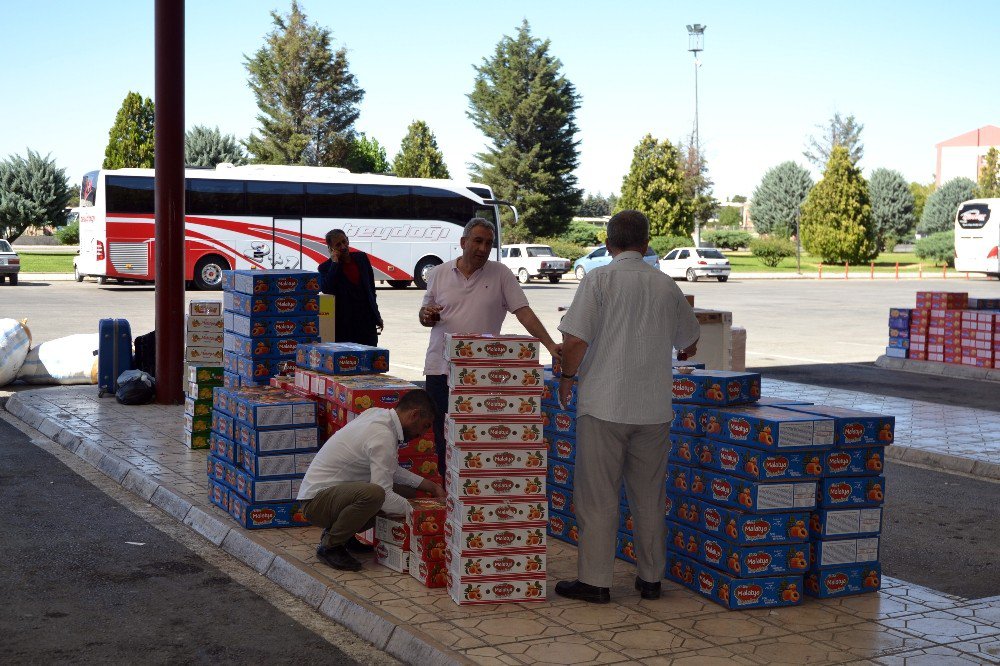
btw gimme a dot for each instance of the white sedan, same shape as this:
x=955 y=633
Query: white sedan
x=695 y=262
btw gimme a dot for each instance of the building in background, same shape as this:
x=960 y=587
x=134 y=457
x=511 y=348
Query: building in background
x=964 y=154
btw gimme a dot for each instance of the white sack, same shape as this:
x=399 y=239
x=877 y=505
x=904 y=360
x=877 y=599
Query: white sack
x=15 y=340
x=69 y=360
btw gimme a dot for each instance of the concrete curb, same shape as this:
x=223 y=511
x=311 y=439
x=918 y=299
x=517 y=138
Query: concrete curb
x=954 y=370
x=979 y=469
x=342 y=607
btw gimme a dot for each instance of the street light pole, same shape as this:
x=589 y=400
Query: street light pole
x=798 y=242
x=696 y=36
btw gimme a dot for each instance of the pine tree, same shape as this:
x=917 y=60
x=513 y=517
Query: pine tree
x=697 y=184
x=892 y=206
x=776 y=204
x=131 y=141
x=920 y=194
x=942 y=206
x=366 y=155
x=844 y=132
x=989 y=175
x=655 y=186
x=527 y=109
x=307 y=97
x=33 y=192
x=419 y=156
x=836 y=217
x=207 y=147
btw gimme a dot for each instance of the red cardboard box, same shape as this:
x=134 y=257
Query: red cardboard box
x=428 y=547
x=430 y=574
x=427 y=516
x=465 y=347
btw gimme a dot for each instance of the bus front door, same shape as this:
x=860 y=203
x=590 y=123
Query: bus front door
x=286 y=238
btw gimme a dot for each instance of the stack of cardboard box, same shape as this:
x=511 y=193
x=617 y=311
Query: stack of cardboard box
x=496 y=509
x=199 y=381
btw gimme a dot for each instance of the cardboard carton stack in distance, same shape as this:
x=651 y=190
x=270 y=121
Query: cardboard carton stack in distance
x=947 y=327
x=496 y=508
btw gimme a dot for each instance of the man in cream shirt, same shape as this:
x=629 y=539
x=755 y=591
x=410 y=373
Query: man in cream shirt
x=356 y=475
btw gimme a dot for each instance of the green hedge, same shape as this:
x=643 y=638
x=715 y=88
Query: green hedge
x=771 y=251
x=939 y=248
x=727 y=239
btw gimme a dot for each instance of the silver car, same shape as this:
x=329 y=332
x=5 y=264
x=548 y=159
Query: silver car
x=10 y=263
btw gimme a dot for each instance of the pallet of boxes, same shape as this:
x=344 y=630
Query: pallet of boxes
x=773 y=499
x=496 y=470
x=263 y=438
x=202 y=369
x=947 y=327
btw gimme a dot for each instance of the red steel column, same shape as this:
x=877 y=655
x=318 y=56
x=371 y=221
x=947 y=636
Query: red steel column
x=169 y=99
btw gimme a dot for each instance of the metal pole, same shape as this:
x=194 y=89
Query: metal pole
x=798 y=245
x=169 y=197
x=697 y=158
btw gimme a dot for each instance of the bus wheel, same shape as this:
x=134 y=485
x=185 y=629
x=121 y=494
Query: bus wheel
x=208 y=272
x=102 y=280
x=399 y=284
x=423 y=271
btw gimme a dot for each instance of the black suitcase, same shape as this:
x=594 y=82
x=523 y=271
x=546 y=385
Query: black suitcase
x=114 y=353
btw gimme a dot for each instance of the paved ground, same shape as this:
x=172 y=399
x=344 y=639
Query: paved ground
x=87 y=580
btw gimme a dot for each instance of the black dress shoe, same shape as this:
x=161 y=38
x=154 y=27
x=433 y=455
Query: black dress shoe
x=355 y=546
x=574 y=589
x=647 y=590
x=338 y=558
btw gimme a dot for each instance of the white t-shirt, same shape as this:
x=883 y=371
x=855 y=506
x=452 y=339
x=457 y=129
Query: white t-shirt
x=474 y=304
x=364 y=450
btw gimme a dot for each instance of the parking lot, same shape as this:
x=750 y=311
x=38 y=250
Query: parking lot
x=789 y=322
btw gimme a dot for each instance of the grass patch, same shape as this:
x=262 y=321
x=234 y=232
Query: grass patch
x=32 y=262
x=744 y=262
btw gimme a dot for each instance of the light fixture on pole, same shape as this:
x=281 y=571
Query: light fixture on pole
x=696 y=37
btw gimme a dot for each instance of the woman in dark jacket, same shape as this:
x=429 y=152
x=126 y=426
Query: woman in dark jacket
x=349 y=277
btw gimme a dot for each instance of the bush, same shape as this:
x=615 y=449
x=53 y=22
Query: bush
x=727 y=239
x=69 y=235
x=581 y=233
x=771 y=251
x=663 y=244
x=730 y=217
x=563 y=248
x=939 y=247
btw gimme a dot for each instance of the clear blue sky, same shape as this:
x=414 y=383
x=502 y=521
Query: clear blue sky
x=913 y=74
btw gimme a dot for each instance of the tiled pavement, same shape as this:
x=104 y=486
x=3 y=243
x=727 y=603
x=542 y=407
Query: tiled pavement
x=901 y=624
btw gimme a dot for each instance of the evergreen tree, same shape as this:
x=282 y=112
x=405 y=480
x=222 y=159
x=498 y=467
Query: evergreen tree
x=989 y=175
x=844 y=132
x=892 y=207
x=836 y=217
x=207 y=147
x=655 y=186
x=131 y=141
x=920 y=193
x=942 y=206
x=777 y=202
x=367 y=156
x=595 y=205
x=697 y=184
x=419 y=156
x=730 y=217
x=33 y=192
x=527 y=109
x=307 y=97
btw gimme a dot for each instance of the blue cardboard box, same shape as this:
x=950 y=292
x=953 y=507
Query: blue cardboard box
x=841 y=492
x=285 y=326
x=222 y=448
x=274 y=466
x=830 y=553
x=844 y=581
x=683 y=448
x=754 y=496
x=564 y=528
x=560 y=421
x=689 y=419
x=231 y=380
x=342 y=358
x=899 y=319
x=280 y=440
x=867 y=461
x=264 y=347
x=270 y=281
x=222 y=424
x=255 y=515
x=272 y=408
x=271 y=304
x=759 y=465
x=843 y=523
x=625 y=547
x=550 y=391
x=738 y=560
x=716 y=387
x=741 y=527
x=853 y=427
x=561 y=473
x=561 y=447
x=561 y=500
x=218 y=494
x=731 y=592
x=770 y=428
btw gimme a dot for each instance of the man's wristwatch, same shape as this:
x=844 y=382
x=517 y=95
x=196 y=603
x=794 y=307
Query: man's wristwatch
x=563 y=375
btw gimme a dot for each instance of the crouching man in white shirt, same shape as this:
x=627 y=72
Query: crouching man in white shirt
x=356 y=475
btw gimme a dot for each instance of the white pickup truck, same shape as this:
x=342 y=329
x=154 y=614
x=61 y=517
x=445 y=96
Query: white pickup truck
x=533 y=261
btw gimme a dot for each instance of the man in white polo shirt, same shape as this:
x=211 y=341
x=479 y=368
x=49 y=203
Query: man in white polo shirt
x=618 y=337
x=357 y=475
x=470 y=294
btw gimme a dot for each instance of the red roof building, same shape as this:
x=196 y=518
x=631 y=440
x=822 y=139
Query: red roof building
x=964 y=154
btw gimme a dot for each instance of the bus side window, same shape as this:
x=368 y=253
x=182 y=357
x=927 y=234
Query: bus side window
x=273 y=199
x=384 y=201
x=330 y=200
x=215 y=197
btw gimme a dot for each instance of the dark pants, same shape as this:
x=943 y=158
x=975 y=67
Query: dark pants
x=437 y=386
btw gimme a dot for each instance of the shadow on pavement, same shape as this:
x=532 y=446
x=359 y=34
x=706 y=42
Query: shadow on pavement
x=868 y=378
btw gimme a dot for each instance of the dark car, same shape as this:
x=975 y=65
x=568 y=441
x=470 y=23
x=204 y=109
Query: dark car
x=10 y=263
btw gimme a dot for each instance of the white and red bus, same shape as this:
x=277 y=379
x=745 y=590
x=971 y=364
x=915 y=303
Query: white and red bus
x=264 y=216
x=977 y=237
